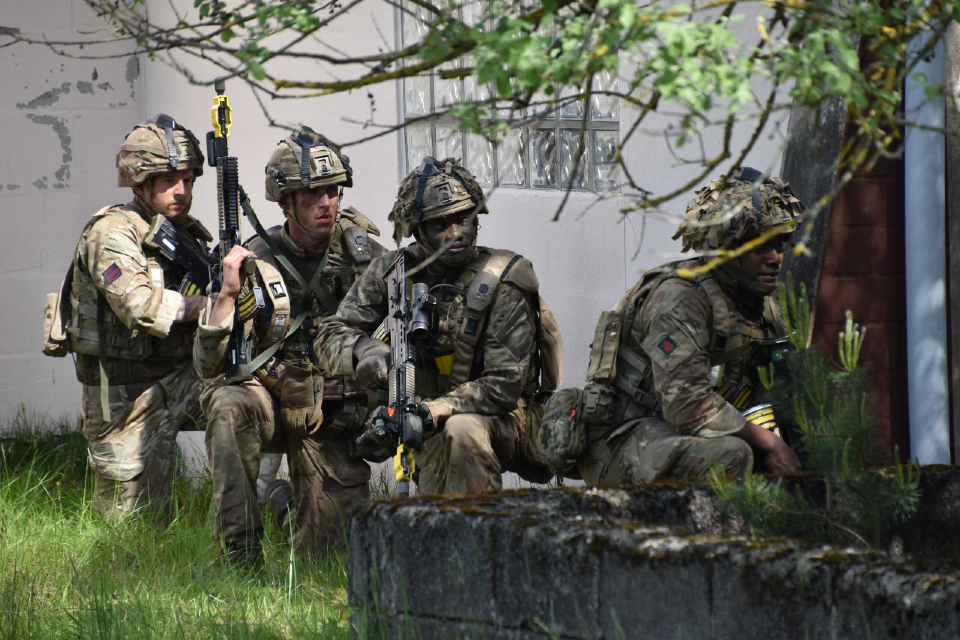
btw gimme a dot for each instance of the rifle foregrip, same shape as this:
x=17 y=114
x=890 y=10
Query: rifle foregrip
x=249 y=266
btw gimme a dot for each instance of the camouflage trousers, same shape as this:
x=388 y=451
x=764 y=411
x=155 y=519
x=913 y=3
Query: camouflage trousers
x=242 y=423
x=469 y=454
x=649 y=449
x=133 y=455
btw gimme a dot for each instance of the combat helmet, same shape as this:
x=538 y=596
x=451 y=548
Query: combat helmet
x=304 y=160
x=732 y=210
x=435 y=189
x=159 y=145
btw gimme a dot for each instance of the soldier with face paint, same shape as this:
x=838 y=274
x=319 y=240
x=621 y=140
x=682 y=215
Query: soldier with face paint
x=685 y=347
x=130 y=328
x=304 y=269
x=476 y=372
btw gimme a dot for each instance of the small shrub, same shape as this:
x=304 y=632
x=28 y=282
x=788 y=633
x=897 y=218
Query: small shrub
x=827 y=407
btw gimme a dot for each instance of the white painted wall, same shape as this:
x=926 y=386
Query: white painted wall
x=585 y=261
x=61 y=125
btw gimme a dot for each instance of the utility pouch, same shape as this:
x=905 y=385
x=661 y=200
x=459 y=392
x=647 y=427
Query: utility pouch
x=601 y=406
x=56 y=319
x=301 y=397
x=603 y=350
x=356 y=244
x=351 y=418
x=560 y=436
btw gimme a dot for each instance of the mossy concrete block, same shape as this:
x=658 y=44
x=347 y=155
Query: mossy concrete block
x=578 y=564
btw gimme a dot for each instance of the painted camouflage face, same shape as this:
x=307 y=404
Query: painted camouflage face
x=284 y=173
x=723 y=216
x=444 y=193
x=145 y=153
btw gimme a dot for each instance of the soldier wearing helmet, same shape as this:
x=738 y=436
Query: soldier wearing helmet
x=130 y=328
x=686 y=349
x=304 y=269
x=476 y=371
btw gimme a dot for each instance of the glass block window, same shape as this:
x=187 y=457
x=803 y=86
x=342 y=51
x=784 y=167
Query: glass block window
x=538 y=152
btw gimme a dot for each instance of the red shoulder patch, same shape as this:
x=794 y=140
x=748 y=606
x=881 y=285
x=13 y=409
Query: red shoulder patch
x=667 y=346
x=112 y=273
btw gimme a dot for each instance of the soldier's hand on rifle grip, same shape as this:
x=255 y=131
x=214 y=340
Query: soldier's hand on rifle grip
x=231 y=285
x=371 y=358
x=381 y=428
x=238 y=261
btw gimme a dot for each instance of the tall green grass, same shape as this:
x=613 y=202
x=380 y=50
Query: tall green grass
x=65 y=572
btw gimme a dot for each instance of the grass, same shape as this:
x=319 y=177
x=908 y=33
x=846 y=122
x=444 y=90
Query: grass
x=66 y=572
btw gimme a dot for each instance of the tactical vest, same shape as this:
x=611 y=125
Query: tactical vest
x=350 y=253
x=450 y=359
x=620 y=378
x=122 y=342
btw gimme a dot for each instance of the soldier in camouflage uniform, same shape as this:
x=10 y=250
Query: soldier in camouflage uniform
x=475 y=371
x=130 y=328
x=291 y=405
x=682 y=342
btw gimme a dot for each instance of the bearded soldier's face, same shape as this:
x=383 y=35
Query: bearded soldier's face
x=169 y=193
x=762 y=265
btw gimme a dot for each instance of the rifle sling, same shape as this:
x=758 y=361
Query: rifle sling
x=282 y=258
x=261 y=360
x=288 y=261
x=102 y=343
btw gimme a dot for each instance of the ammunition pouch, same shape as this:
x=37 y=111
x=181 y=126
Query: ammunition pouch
x=601 y=406
x=56 y=319
x=356 y=244
x=301 y=395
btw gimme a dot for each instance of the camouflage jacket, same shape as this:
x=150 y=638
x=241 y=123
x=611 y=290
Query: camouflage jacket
x=337 y=277
x=140 y=286
x=501 y=371
x=676 y=332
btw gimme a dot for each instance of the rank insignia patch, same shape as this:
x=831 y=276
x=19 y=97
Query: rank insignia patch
x=667 y=346
x=112 y=273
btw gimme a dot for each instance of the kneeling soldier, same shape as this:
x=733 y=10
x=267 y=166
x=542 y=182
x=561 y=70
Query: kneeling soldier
x=477 y=369
x=132 y=320
x=675 y=362
x=291 y=405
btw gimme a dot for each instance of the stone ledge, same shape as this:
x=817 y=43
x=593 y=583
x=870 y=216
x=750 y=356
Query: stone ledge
x=578 y=564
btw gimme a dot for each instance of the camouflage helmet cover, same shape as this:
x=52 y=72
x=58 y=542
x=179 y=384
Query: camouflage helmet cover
x=730 y=211
x=157 y=146
x=287 y=172
x=433 y=190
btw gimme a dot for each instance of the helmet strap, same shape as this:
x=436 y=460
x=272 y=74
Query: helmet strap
x=169 y=124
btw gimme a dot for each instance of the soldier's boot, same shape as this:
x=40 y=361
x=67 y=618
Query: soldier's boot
x=241 y=557
x=280 y=499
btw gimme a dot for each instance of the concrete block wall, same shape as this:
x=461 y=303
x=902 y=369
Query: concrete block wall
x=606 y=564
x=62 y=120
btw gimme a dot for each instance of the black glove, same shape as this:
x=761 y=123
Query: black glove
x=385 y=429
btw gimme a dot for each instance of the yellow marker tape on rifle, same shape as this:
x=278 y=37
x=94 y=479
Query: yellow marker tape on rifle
x=762 y=415
x=217 y=101
x=404 y=450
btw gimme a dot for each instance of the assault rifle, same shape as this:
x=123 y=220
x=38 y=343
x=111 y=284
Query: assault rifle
x=228 y=203
x=408 y=319
x=178 y=248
